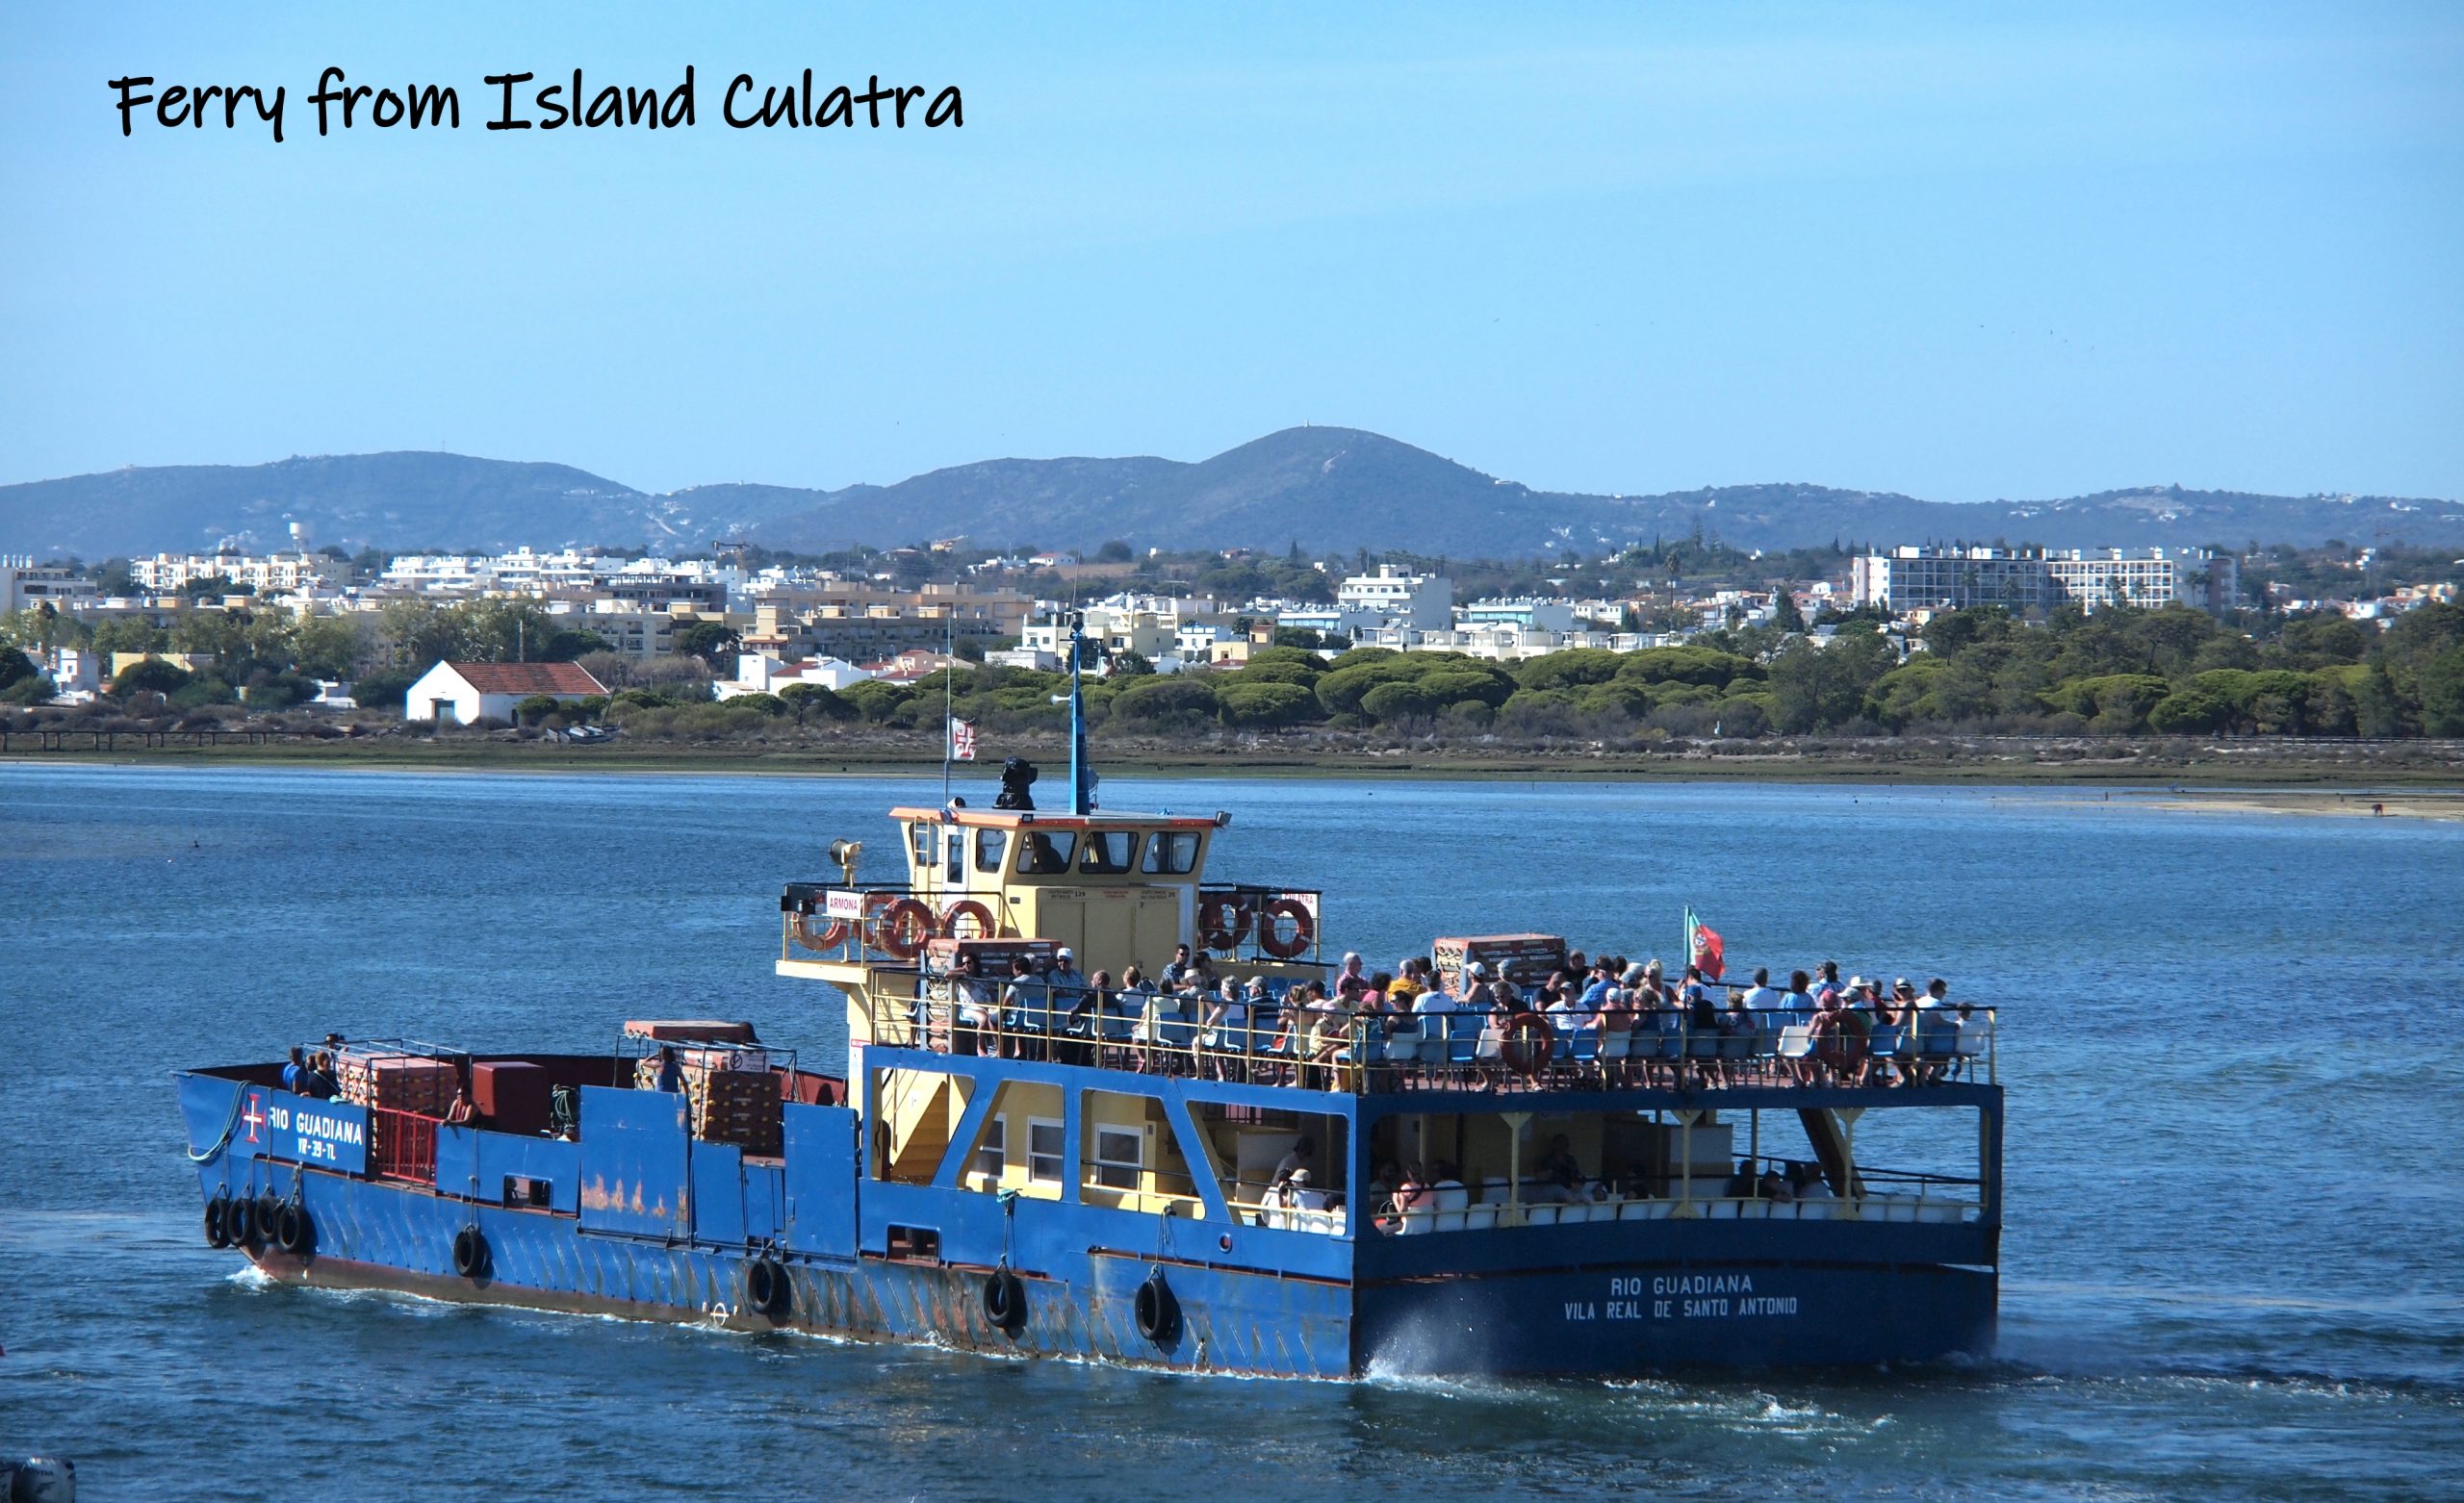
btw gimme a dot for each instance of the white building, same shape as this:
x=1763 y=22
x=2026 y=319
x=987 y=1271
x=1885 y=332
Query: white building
x=1398 y=597
x=463 y=692
x=273 y=574
x=25 y=585
x=1523 y=615
x=758 y=672
x=2023 y=579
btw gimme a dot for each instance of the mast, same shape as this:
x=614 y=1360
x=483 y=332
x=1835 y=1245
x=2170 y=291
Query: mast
x=1081 y=773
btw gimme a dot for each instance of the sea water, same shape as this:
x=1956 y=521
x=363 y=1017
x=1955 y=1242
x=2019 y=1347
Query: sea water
x=2233 y=1045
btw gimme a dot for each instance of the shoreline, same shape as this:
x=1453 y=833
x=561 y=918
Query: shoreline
x=2281 y=780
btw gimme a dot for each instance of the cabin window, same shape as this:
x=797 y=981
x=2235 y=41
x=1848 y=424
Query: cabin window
x=919 y=838
x=1172 y=852
x=992 y=1151
x=988 y=850
x=1109 y=851
x=1043 y=853
x=1043 y=1151
x=954 y=852
x=1120 y=1154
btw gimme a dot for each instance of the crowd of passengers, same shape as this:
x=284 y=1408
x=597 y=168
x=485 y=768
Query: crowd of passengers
x=1856 y=1032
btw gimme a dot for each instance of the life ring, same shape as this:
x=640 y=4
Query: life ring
x=218 y=1212
x=1157 y=1312
x=766 y=1287
x=1304 y=929
x=967 y=907
x=1527 y=1043
x=292 y=1232
x=1005 y=1301
x=1223 y=921
x=903 y=928
x=830 y=939
x=469 y=1253
x=239 y=1221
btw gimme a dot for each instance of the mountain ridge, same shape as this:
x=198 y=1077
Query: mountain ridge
x=1327 y=489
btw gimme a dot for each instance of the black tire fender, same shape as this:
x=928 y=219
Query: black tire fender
x=218 y=1220
x=1157 y=1311
x=470 y=1252
x=293 y=1230
x=240 y=1221
x=767 y=1289
x=1005 y=1301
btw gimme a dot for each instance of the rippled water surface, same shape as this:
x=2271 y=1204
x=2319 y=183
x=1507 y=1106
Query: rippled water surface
x=2234 y=1264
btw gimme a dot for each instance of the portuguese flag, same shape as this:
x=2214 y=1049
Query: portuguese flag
x=1702 y=947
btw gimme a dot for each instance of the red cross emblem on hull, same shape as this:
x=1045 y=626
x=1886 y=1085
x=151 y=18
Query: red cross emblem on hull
x=254 y=1116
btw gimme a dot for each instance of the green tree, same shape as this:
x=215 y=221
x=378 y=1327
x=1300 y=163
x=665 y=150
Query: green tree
x=536 y=709
x=1157 y=703
x=328 y=647
x=1264 y=705
x=809 y=701
x=2442 y=693
x=1113 y=551
x=1132 y=665
x=152 y=675
x=713 y=642
x=1401 y=703
x=385 y=690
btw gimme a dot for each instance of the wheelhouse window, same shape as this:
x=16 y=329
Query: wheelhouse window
x=1172 y=852
x=988 y=849
x=919 y=838
x=1045 y=852
x=1043 y=1151
x=1109 y=851
x=1121 y=1155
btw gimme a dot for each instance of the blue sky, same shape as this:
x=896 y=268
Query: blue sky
x=1965 y=252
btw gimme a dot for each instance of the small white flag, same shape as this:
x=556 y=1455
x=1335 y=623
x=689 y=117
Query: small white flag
x=962 y=740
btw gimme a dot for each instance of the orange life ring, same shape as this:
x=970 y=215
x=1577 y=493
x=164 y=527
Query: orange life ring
x=1223 y=921
x=830 y=939
x=1527 y=1043
x=903 y=928
x=967 y=907
x=1304 y=929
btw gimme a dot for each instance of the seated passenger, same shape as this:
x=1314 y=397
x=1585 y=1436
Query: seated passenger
x=1408 y=986
x=1811 y=1184
x=1774 y=1187
x=461 y=1113
x=1560 y=1179
x=1299 y=1161
x=1742 y=1183
x=1177 y=971
x=971 y=1006
x=318 y=1084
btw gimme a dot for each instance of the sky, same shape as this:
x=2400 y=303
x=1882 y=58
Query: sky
x=1962 y=252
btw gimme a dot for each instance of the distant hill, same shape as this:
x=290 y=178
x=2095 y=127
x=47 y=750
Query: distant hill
x=1327 y=488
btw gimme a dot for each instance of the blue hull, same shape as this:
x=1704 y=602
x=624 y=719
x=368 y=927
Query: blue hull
x=1599 y=1299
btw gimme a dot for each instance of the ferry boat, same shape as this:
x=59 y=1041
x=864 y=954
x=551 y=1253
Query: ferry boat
x=1059 y=1169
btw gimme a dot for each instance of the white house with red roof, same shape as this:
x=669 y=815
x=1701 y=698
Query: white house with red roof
x=465 y=692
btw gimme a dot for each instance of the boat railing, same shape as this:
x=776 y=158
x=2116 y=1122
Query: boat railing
x=1874 y=1195
x=401 y=1145
x=894 y=921
x=1320 y=1048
